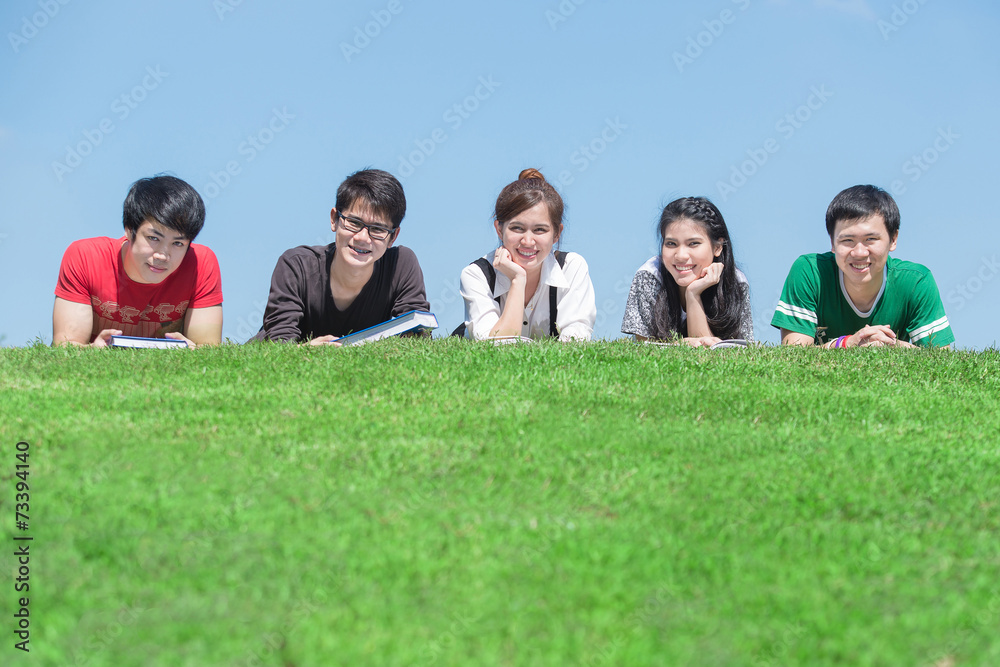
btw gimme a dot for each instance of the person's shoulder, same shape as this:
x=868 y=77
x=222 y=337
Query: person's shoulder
x=823 y=264
x=902 y=266
x=473 y=270
x=649 y=271
x=304 y=254
x=92 y=254
x=402 y=254
x=307 y=251
x=474 y=264
x=203 y=253
x=571 y=258
x=95 y=244
x=815 y=259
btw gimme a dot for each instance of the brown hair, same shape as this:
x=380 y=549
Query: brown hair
x=529 y=189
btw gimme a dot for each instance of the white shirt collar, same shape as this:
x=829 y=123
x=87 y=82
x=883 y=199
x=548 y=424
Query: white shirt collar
x=878 y=297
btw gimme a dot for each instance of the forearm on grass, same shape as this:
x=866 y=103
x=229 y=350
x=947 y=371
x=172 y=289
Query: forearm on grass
x=512 y=316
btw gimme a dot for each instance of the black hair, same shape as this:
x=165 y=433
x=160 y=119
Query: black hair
x=726 y=301
x=169 y=201
x=375 y=189
x=863 y=201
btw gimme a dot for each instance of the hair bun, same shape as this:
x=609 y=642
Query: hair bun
x=530 y=173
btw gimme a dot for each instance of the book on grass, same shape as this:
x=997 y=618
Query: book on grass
x=139 y=342
x=413 y=321
x=722 y=344
x=730 y=342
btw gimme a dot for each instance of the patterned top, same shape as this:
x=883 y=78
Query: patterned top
x=646 y=286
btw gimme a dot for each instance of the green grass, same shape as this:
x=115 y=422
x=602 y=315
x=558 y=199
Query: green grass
x=419 y=502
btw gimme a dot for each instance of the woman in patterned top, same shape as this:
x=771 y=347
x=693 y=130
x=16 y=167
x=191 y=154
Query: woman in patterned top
x=693 y=290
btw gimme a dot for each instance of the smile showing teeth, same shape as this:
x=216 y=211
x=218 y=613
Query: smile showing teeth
x=528 y=254
x=859 y=267
x=682 y=269
x=359 y=251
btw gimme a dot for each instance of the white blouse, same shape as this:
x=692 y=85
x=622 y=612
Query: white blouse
x=576 y=305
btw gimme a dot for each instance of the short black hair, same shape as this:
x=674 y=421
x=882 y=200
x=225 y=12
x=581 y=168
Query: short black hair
x=375 y=189
x=863 y=201
x=169 y=201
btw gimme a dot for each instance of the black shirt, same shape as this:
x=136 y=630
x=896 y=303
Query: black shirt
x=300 y=305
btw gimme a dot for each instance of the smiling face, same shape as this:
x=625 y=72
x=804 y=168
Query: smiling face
x=687 y=251
x=154 y=252
x=529 y=237
x=358 y=249
x=862 y=247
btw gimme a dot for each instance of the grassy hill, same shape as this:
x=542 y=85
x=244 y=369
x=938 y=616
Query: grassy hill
x=448 y=503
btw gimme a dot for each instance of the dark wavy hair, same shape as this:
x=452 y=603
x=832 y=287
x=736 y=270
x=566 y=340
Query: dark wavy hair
x=725 y=302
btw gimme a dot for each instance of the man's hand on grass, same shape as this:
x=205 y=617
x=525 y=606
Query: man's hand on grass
x=326 y=340
x=179 y=336
x=104 y=338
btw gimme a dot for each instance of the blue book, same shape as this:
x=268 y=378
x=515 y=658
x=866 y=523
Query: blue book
x=413 y=321
x=139 y=342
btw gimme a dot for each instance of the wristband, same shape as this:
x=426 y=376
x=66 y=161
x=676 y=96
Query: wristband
x=841 y=342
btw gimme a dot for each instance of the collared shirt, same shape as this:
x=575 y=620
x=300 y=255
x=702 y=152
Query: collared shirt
x=815 y=302
x=576 y=305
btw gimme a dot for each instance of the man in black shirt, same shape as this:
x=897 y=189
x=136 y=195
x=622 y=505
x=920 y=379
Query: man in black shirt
x=319 y=293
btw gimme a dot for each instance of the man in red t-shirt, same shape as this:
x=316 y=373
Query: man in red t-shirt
x=152 y=282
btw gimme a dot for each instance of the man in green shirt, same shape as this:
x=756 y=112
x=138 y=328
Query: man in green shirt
x=856 y=295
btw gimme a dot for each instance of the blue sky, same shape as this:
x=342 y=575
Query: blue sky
x=767 y=107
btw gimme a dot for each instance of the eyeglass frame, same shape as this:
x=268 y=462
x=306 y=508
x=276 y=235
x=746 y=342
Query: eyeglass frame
x=361 y=224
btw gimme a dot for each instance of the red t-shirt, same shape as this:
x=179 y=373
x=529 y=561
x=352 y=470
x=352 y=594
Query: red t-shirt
x=93 y=272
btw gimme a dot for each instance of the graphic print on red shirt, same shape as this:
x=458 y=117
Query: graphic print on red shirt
x=93 y=272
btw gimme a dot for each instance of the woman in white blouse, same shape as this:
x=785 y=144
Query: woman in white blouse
x=523 y=288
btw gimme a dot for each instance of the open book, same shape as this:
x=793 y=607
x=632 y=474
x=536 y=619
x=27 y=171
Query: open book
x=730 y=342
x=137 y=342
x=415 y=320
x=722 y=344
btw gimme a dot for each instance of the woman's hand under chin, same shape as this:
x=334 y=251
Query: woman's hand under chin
x=505 y=264
x=710 y=275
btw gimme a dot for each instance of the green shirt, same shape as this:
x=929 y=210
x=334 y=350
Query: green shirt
x=814 y=302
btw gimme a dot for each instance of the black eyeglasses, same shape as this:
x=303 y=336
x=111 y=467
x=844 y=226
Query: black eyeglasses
x=355 y=225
